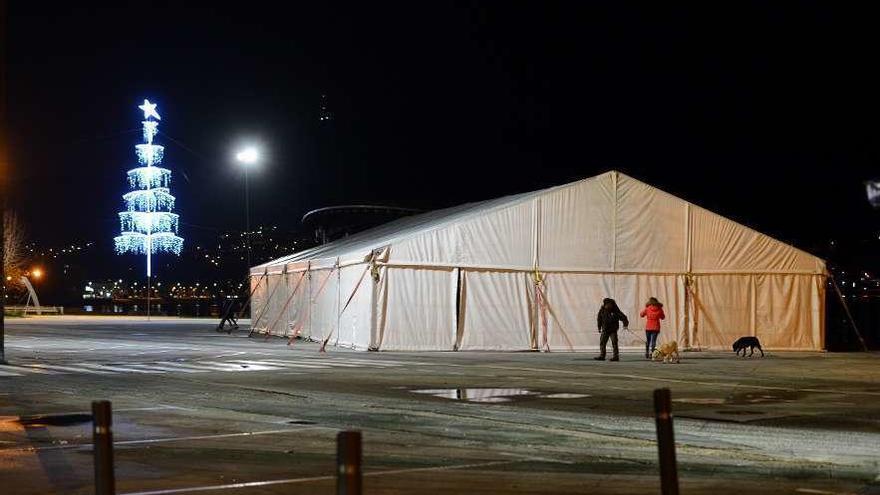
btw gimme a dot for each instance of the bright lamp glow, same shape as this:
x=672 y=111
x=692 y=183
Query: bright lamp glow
x=147 y=226
x=248 y=156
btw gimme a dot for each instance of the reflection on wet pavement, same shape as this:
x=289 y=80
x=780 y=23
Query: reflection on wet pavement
x=492 y=394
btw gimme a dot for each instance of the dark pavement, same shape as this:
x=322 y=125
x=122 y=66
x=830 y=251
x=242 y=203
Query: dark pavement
x=198 y=411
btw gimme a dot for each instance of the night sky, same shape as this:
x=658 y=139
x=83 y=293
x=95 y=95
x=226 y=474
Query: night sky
x=765 y=114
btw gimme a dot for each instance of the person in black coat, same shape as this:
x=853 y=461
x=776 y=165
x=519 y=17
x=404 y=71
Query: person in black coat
x=229 y=315
x=609 y=319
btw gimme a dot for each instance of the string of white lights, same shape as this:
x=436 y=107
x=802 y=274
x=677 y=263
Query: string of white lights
x=136 y=243
x=151 y=128
x=150 y=154
x=146 y=223
x=149 y=200
x=149 y=178
x=148 y=227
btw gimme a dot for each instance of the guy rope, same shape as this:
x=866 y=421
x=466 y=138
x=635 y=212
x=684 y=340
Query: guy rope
x=251 y=295
x=849 y=315
x=298 y=327
x=286 y=303
x=545 y=308
x=370 y=268
x=266 y=307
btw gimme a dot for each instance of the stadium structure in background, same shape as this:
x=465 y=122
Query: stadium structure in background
x=334 y=222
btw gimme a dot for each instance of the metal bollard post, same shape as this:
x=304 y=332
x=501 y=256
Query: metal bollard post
x=348 y=463
x=665 y=442
x=102 y=441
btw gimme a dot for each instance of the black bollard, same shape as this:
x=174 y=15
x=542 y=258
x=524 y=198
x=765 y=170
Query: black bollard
x=665 y=442
x=102 y=441
x=348 y=463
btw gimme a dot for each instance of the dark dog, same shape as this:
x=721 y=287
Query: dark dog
x=747 y=342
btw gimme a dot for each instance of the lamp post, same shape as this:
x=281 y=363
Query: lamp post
x=248 y=157
x=3 y=278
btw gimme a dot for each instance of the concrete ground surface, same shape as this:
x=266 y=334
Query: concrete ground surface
x=200 y=412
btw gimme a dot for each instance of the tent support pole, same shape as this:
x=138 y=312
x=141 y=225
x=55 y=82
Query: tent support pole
x=614 y=228
x=852 y=321
x=687 y=312
x=458 y=305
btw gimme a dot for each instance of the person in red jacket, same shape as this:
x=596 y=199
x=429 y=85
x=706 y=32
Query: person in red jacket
x=652 y=313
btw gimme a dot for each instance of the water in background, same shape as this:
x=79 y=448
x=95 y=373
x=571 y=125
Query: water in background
x=205 y=308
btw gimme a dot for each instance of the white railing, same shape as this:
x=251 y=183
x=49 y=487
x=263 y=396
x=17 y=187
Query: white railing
x=39 y=310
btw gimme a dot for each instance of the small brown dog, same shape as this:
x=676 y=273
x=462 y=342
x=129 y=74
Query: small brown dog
x=668 y=352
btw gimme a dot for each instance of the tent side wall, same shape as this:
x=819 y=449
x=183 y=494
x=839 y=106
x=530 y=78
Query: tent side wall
x=258 y=293
x=785 y=311
x=416 y=309
x=267 y=290
x=496 y=310
x=356 y=307
x=574 y=300
x=318 y=303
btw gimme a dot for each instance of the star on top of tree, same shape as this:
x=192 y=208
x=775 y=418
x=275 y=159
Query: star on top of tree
x=149 y=110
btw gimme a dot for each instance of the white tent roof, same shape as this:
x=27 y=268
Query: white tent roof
x=610 y=223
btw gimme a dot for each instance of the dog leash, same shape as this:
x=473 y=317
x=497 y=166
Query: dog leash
x=635 y=335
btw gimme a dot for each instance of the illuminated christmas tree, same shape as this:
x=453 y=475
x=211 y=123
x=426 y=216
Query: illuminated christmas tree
x=148 y=225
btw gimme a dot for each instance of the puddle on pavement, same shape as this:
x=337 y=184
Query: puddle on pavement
x=735 y=416
x=773 y=397
x=698 y=400
x=492 y=394
x=565 y=396
x=740 y=413
x=54 y=420
x=745 y=398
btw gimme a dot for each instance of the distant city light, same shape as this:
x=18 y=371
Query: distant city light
x=324 y=113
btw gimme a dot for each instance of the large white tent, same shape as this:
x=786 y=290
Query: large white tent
x=529 y=272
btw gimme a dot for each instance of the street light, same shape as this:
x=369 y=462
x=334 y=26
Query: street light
x=248 y=157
